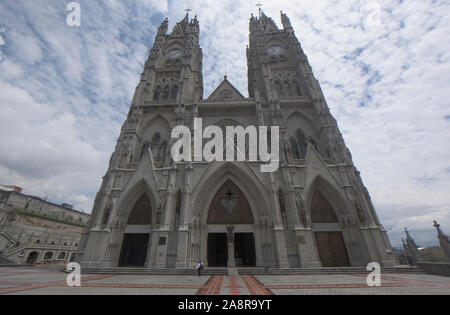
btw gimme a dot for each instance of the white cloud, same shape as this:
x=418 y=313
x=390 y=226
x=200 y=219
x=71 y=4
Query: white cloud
x=159 y=5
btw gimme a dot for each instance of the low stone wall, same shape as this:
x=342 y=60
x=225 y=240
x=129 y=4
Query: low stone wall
x=441 y=269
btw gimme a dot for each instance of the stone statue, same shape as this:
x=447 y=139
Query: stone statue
x=124 y=152
x=161 y=206
x=361 y=214
x=301 y=209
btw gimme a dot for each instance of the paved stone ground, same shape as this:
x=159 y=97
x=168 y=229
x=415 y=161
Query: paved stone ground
x=48 y=280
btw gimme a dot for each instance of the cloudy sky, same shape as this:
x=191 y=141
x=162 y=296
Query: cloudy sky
x=384 y=67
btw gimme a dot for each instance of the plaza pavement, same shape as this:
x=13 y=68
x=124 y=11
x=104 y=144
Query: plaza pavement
x=48 y=280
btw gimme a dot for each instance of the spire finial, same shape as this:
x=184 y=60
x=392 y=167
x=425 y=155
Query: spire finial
x=259 y=5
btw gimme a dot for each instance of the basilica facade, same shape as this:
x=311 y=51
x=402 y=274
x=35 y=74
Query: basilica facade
x=152 y=212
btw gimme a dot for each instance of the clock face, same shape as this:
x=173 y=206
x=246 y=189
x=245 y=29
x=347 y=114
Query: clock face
x=174 y=53
x=226 y=94
x=275 y=50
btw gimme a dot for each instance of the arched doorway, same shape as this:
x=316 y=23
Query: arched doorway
x=48 y=256
x=230 y=207
x=328 y=235
x=32 y=258
x=62 y=256
x=137 y=234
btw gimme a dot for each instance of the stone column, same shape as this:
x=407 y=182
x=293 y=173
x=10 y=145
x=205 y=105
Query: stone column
x=278 y=228
x=183 y=230
x=231 y=262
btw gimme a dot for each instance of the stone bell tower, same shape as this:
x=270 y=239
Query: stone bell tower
x=170 y=84
x=313 y=155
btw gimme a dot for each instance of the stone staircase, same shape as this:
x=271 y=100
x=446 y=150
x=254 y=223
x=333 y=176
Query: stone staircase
x=327 y=270
x=145 y=271
x=250 y=271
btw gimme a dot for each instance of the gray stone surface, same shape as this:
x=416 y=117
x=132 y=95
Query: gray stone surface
x=367 y=291
x=156 y=279
x=53 y=284
x=106 y=291
x=310 y=279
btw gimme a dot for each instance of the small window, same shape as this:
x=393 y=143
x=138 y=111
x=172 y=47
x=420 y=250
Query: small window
x=165 y=94
x=297 y=89
x=157 y=93
x=287 y=88
x=278 y=89
x=174 y=93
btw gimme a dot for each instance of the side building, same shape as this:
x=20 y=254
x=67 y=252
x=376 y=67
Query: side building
x=35 y=231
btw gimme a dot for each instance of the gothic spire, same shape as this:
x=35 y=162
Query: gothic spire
x=164 y=26
x=412 y=248
x=285 y=21
x=443 y=240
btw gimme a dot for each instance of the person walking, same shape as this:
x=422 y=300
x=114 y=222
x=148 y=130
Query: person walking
x=199 y=267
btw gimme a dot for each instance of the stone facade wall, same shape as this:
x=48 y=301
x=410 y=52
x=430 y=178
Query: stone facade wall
x=35 y=204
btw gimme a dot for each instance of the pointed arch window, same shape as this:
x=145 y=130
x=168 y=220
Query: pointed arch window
x=287 y=89
x=156 y=138
x=298 y=145
x=166 y=93
x=178 y=209
x=174 y=93
x=294 y=148
x=106 y=216
x=278 y=89
x=314 y=144
x=178 y=205
x=296 y=89
x=145 y=147
x=157 y=94
x=155 y=146
x=162 y=152
x=301 y=140
x=159 y=149
x=282 y=202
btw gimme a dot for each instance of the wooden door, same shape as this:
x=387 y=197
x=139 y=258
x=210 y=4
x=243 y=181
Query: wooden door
x=331 y=248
